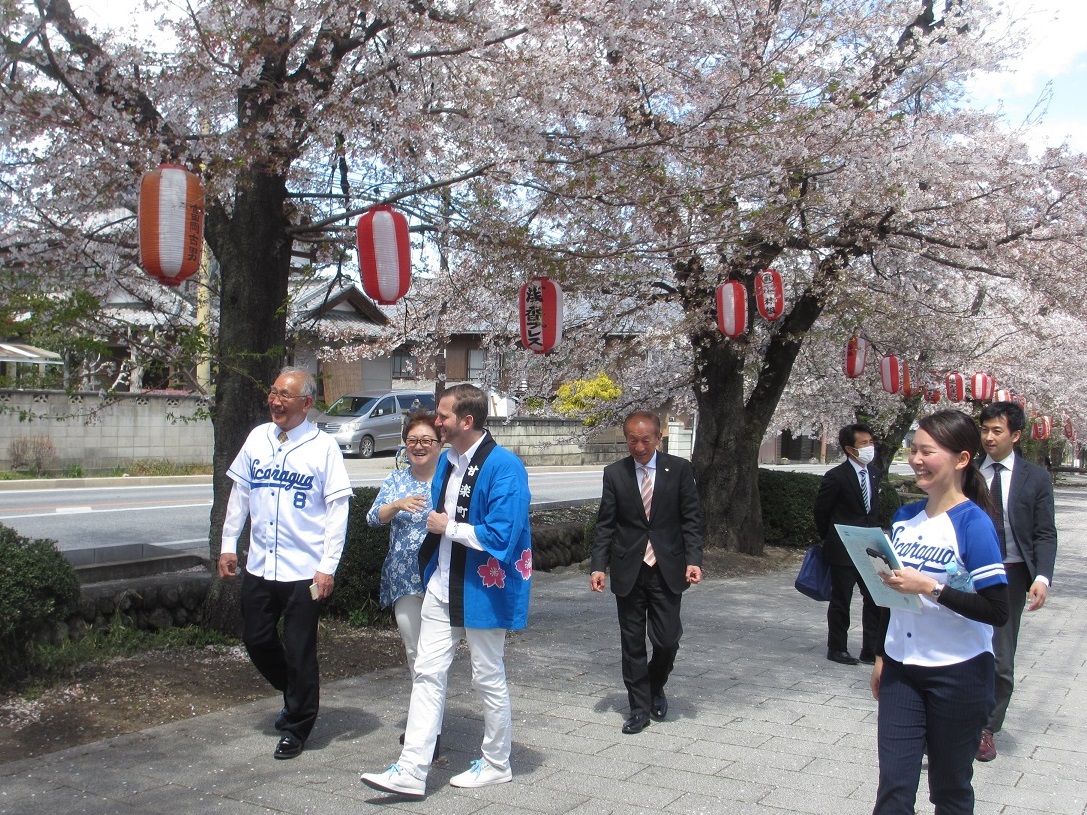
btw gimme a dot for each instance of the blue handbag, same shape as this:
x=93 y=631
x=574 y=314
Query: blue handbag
x=814 y=577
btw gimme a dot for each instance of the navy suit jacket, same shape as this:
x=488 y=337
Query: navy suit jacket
x=674 y=524
x=1030 y=516
x=839 y=501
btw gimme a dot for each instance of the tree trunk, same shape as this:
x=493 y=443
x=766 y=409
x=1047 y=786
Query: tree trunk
x=731 y=429
x=254 y=251
x=900 y=425
x=726 y=454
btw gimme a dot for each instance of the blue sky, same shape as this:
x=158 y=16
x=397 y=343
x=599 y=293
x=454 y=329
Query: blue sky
x=1057 y=55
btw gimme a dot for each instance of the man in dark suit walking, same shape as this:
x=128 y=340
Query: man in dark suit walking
x=848 y=495
x=1022 y=494
x=649 y=533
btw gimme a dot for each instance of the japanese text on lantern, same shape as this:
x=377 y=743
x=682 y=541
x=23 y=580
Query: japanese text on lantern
x=534 y=323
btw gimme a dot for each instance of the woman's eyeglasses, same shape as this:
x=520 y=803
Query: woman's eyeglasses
x=413 y=441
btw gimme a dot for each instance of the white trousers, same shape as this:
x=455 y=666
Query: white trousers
x=437 y=644
x=408 y=612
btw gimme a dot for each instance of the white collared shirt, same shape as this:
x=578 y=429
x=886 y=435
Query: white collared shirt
x=651 y=467
x=862 y=473
x=1011 y=548
x=460 y=531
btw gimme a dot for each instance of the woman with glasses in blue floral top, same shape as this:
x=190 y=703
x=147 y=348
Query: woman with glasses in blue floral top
x=403 y=502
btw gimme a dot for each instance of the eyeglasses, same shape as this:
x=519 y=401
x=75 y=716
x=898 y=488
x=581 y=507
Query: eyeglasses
x=412 y=441
x=283 y=396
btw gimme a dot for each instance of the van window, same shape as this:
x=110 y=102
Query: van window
x=386 y=407
x=416 y=401
x=351 y=405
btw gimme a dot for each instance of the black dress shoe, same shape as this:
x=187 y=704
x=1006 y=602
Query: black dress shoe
x=289 y=746
x=635 y=724
x=842 y=657
x=659 y=708
x=867 y=658
x=281 y=720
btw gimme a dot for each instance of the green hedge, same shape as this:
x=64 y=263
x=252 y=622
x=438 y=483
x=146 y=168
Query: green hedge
x=358 y=578
x=38 y=589
x=787 y=502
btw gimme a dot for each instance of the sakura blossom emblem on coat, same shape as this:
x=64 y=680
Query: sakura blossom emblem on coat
x=492 y=574
x=524 y=564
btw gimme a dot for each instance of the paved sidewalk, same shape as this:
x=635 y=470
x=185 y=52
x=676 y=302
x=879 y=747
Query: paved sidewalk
x=760 y=723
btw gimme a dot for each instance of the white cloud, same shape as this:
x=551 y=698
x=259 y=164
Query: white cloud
x=1056 y=54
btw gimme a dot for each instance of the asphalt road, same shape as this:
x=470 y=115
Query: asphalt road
x=173 y=513
x=125 y=519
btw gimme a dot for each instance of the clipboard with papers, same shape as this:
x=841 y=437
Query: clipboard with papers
x=871 y=552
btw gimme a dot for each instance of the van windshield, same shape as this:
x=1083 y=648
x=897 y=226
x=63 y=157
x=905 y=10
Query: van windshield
x=351 y=405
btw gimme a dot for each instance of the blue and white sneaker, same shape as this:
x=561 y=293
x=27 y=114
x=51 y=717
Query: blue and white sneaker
x=395 y=780
x=482 y=774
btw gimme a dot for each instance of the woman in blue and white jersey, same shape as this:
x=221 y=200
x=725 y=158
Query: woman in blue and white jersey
x=934 y=675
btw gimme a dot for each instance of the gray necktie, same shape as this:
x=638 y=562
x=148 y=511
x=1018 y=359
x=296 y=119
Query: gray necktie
x=865 y=491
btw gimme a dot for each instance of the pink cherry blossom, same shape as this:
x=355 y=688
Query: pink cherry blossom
x=524 y=565
x=492 y=574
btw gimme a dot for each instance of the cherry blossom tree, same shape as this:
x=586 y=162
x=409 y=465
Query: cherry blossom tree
x=640 y=153
x=700 y=144
x=256 y=96
x=251 y=94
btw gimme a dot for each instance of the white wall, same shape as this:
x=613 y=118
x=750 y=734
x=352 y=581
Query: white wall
x=100 y=433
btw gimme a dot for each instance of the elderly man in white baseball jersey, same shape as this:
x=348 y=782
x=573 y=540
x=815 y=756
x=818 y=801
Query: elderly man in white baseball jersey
x=290 y=479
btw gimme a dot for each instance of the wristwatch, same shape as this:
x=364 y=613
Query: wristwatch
x=935 y=591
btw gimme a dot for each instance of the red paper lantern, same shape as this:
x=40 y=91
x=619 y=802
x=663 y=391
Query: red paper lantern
x=732 y=308
x=171 y=223
x=981 y=387
x=1002 y=395
x=932 y=395
x=1069 y=430
x=856 y=356
x=1041 y=428
x=769 y=294
x=911 y=386
x=541 y=315
x=955 y=385
x=384 y=254
x=891 y=373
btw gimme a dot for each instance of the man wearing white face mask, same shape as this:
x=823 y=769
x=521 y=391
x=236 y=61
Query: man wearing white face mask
x=849 y=495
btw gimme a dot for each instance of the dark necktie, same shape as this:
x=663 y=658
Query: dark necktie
x=996 y=492
x=865 y=491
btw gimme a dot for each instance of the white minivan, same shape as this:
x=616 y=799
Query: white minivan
x=365 y=423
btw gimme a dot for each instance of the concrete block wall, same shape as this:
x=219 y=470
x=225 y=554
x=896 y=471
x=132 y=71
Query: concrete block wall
x=563 y=442
x=557 y=442
x=100 y=433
